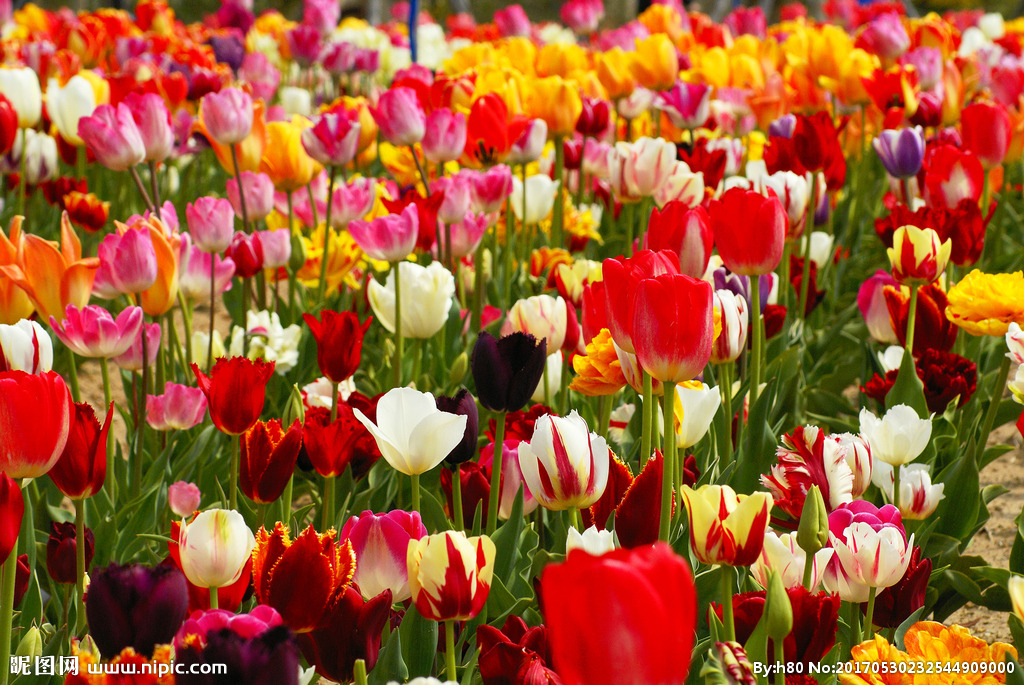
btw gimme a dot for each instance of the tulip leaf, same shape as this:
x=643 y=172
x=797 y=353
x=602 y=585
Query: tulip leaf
x=419 y=643
x=390 y=665
x=908 y=388
x=757 y=643
x=901 y=631
x=506 y=541
x=1014 y=674
x=958 y=511
x=1016 y=631
x=433 y=514
x=755 y=459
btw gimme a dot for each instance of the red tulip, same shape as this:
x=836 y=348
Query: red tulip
x=61 y=552
x=12 y=509
x=627 y=616
x=35 y=417
x=267 y=459
x=339 y=342
x=8 y=125
x=673 y=326
x=82 y=467
x=750 y=230
x=934 y=330
x=235 y=391
x=621 y=278
x=815 y=618
x=684 y=230
x=508 y=656
x=350 y=629
x=951 y=175
x=329 y=445
x=816 y=141
x=986 y=132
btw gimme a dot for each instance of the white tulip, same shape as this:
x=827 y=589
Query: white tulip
x=554 y=381
x=427 y=294
x=575 y=463
x=592 y=541
x=67 y=104
x=26 y=346
x=918 y=496
x=21 y=87
x=897 y=438
x=541 y=192
x=695 y=409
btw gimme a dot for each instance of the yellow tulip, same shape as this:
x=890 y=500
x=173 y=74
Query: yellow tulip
x=557 y=102
x=726 y=528
x=656 y=65
x=285 y=160
x=614 y=73
x=561 y=59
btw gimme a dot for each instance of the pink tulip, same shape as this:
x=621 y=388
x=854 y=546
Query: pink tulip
x=259 y=195
x=321 y=15
x=127 y=264
x=512 y=21
x=227 y=115
x=183 y=498
x=194 y=273
x=352 y=201
x=388 y=238
x=332 y=140
x=638 y=169
x=457 y=191
x=92 y=331
x=490 y=188
x=211 y=223
x=262 y=76
x=582 y=16
x=154 y=124
x=885 y=36
x=467 y=234
x=871 y=302
x=688 y=105
x=529 y=146
x=304 y=43
x=277 y=248
x=380 y=542
x=400 y=117
x=445 y=136
x=113 y=136
x=179 y=408
x=131 y=359
x=511 y=478
x=338 y=58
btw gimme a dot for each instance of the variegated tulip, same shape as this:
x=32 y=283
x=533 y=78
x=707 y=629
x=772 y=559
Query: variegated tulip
x=783 y=555
x=450 y=575
x=918 y=256
x=918 y=496
x=726 y=528
x=564 y=464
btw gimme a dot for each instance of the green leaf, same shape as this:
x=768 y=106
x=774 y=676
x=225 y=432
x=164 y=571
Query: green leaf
x=1016 y=631
x=908 y=388
x=390 y=665
x=419 y=643
x=506 y=541
x=901 y=631
x=958 y=511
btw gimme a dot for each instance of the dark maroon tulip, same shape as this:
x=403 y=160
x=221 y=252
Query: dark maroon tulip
x=350 y=629
x=61 y=548
x=476 y=490
x=815 y=619
x=135 y=606
x=462 y=404
x=594 y=117
x=895 y=604
x=507 y=371
x=514 y=655
x=271 y=658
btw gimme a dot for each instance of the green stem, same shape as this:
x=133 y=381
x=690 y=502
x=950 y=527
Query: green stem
x=156 y=190
x=871 y=612
x=245 y=321
x=241 y=192
x=80 y=561
x=725 y=387
x=142 y=189
x=186 y=316
x=214 y=598
x=359 y=671
x=476 y=323
x=10 y=570
x=896 y=486
x=978 y=447
x=213 y=314
x=911 y=319
x=233 y=475
x=647 y=418
x=558 y=211
x=312 y=206
x=780 y=658
x=495 y=496
x=140 y=417
x=399 y=344
x=809 y=570
x=725 y=580
x=668 y=461
x=604 y=415
x=327 y=517
x=449 y=650
x=628 y=218
x=110 y=484
x=322 y=287
x=419 y=168
x=457 y=513
x=286 y=501
x=73 y=376
x=855 y=635
x=574 y=518
x=758 y=331
x=415 y=491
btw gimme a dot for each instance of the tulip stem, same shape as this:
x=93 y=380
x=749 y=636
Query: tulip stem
x=780 y=658
x=213 y=312
x=668 y=458
x=911 y=319
x=725 y=387
x=574 y=518
x=214 y=598
x=871 y=611
x=328 y=504
x=245 y=322
x=73 y=376
x=233 y=475
x=604 y=415
x=478 y=285
x=457 y=514
x=359 y=672
x=999 y=384
x=449 y=650
x=808 y=570
x=854 y=624
x=627 y=219
x=495 y=496
x=558 y=211
x=896 y=486
x=241 y=191
x=10 y=570
x=140 y=413
x=80 y=562
x=399 y=343
x=647 y=418
x=142 y=188
x=419 y=168
x=725 y=575
x=156 y=190
x=415 y=491
x=322 y=287
x=758 y=326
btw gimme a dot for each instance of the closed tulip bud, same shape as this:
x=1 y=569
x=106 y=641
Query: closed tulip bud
x=726 y=528
x=858 y=457
x=564 y=464
x=352 y=201
x=622 y=279
x=427 y=294
x=491 y=188
x=40 y=151
x=267 y=459
x=681 y=185
x=750 y=231
x=277 y=248
x=380 y=543
x=246 y=251
x=545 y=318
x=594 y=117
x=556 y=101
x=694 y=410
x=640 y=168
x=36 y=412
x=445 y=136
x=506 y=371
x=215 y=547
x=462 y=404
x=113 y=136
x=194 y=272
x=154 y=124
x=180 y=407
x=183 y=498
x=82 y=467
x=728 y=664
x=673 y=326
x=918 y=256
x=400 y=116
x=258 y=194
x=450 y=575
x=31 y=645
x=901 y=151
x=897 y=438
x=812 y=531
x=25 y=346
x=871 y=303
x=684 y=230
x=21 y=87
x=457 y=191
x=227 y=115
x=458 y=369
x=779 y=609
x=61 y=552
x=211 y=223
x=235 y=391
x=541 y=192
x=68 y=104
x=131 y=359
x=986 y=132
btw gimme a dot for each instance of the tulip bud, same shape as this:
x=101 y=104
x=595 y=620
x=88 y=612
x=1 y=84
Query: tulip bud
x=812 y=533
x=458 y=369
x=31 y=645
x=1015 y=586
x=728 y=665
x=779 y=609
x=215 y=547
x=183 y=498
x=294 y=409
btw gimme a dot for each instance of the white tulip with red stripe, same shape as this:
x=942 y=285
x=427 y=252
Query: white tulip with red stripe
x=564 y=464
x=450 y=575
x=26 y=347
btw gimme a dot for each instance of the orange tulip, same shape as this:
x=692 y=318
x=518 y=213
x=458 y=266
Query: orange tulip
x=14 y=302
x=614 y=73
x=250 y=150
x=285 y=160
x=655 y=65
x=557 y=102
x=53 y=277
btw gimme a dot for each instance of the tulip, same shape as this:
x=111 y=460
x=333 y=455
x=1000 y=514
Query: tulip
x=1015 y=587
x=896 y=603
x=214 y=548
x=662 y=305
x=299 y=578
x=92 y=332
x=332 y=139
x=246 y=251
x=36 y=412
x=183 y=498
x=352 y=201
x=135 y=606
x=695 y=408
x=21 y=87
x=986 y=132
x=445 y=136
x=380 y=543
x=564 y=464
x=277 y=248
x=491 y=188
x=897 y=438
x=639 y=169
x=871 y=550
x=227 y=115
x=871 y=302
x=450 y=575
x=271 y=657
x=350 y=630
x=82 y=466
x=782 y=556
x=61 y=552
x=426 y=294
x=901 y=151
x=545 y=318
x=285 y=159
x=540 y=193
x=332 y=446
x=582 y=16
x=211 y=223
x=25 y=346
x=400 y=116
x=556 y=101
x=530 y=144
x=154 y=125
x=128 y=264
x=684 y=230
x=178 y=408
x=918 y=498
x=131 y=359
x=68 y=104
x=112 y=135
x=735 y=320
x=918 y=256
x=12 y=511
x=462 y=404
x=235 y=392
x=622 y=278
x=687 y=105
x=592 y=541
x=194 y=273
x=258 y=195
x=749 y=231
x=641 y=631
x=389 y=238
x=514 y=649
x=726 y=528
x=339 y=340
x=267 y=459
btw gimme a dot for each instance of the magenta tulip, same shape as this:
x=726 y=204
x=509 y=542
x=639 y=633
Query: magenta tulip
x=131 y=359
x=380 y=543
x=127 y=264
x=388 y=238
x=92 y=331
x=113 y=136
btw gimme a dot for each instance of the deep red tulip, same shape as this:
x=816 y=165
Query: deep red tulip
x=673 y=326
x=684 y=230
x=12 y=509
x=246 y=251
x=640 y=630
x=330 y=446
x=61 y=552
x=82 y=467
x=8 y=125
x=476 y=490
x=235 y=391
x=35 y=416
x=267 y=459
x=228 y=597
x=750 y=230
x=339 y=342
x=985 y=128
x=594 y=117
x=350 y=629
x=816 y=141
x=620 y=480
x=622 y=277
x=934 y=330
x=511 y=655
x=945 y=376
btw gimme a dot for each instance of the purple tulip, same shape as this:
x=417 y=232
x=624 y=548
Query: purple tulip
x=507 y=370
x=901 y=151
x=462 y=404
